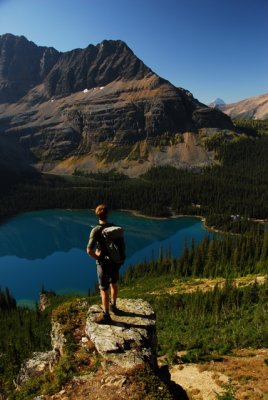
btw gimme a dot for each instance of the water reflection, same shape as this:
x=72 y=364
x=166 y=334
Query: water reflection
x=39 y=234
x=48 y=248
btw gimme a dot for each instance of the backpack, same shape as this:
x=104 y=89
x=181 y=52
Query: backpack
x=115 y=243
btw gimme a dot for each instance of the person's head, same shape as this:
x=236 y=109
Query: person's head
x=102 y=212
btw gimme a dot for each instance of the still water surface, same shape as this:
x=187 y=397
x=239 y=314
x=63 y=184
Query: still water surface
x=47 y=248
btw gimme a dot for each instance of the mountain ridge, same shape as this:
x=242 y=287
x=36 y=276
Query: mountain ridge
x=255 y=107
x=60 y=105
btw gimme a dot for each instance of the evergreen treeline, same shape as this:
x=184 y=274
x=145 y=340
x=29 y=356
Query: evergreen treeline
x=210 y=324
x=229 y=195
x=252 y=126
x=229 y=256
x=23 y=330
x=7 y=301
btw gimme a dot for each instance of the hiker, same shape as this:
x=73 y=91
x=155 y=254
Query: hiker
x=108 y=259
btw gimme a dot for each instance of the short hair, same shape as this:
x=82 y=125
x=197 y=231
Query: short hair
x=101 y=211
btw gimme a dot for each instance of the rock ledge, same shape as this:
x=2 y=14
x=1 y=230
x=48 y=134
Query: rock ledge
x=130 y=339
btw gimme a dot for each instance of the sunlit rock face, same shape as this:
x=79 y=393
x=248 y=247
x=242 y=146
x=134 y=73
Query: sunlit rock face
x=127 y=342
x=56 y=105
x=130 y=339
x=251 y=108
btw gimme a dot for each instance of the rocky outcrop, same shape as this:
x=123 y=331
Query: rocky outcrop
x=42 y=361
x=45 y=299
x=202 y=118
x=58 y=340
x=35 y=366
x=130 y=340
x=59 y=105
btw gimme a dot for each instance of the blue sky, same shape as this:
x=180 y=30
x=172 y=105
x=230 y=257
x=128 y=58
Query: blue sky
x=214 y=48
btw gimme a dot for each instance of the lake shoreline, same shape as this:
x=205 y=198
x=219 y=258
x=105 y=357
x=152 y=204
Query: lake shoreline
x=55 y=258
x=137 y=213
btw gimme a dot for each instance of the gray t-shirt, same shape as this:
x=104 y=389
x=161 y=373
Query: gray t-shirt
x=95 y=238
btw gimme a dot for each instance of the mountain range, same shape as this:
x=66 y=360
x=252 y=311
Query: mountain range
x=251 y=108
x=94 y=108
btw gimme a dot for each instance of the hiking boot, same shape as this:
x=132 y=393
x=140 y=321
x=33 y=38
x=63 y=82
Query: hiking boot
x=103 y=318
x=115 y=310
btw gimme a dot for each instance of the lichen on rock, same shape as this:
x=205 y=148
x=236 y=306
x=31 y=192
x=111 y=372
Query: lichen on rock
x=130 y=339
x=90 y=357
x=35 y=366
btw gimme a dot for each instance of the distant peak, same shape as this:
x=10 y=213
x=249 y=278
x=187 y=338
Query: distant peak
x=217 y=103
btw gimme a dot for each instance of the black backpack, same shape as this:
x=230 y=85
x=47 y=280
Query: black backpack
x=115 y=243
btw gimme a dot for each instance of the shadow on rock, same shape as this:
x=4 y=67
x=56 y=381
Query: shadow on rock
x=122 y=313
x=177 y=392
x=128 y=325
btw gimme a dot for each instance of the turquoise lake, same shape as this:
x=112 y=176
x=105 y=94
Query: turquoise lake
x=47 y=248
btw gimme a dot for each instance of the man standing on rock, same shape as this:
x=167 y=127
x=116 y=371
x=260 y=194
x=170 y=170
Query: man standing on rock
x=109 y=257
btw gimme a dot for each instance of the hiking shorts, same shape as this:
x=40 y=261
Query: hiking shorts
x=107 y=272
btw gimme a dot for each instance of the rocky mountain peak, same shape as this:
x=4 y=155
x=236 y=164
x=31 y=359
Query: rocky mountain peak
x=23 y=65
x=113 y=45
x=92 y=67
x=8 y=38
x=60 y=105
x=217 y=103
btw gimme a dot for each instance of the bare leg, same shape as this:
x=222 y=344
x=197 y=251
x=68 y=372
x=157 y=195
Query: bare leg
x=114 y=292
x=105 y=300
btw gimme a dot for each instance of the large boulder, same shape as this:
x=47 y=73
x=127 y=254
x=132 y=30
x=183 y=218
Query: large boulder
x=130 y=340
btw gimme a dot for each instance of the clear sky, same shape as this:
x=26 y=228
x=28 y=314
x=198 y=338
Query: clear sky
x=214 y=48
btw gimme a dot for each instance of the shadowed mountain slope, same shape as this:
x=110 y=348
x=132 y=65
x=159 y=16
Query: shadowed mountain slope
x=63 y=106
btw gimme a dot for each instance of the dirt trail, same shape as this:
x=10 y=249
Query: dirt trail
x=204 y=284
x=199 y=385
x=245 y=373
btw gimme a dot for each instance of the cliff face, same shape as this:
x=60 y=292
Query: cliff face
x=59 y=105
x=23 y=65
x=88 y=360
x=92 y=67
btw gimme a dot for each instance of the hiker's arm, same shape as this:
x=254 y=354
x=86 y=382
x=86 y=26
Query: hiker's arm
x=91 y=246
x=94 y=254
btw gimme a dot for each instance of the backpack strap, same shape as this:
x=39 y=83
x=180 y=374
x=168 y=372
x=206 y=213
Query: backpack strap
x=101 y=239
